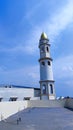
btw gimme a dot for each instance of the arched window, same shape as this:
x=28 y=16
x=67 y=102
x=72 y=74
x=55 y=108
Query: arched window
x=44 y=89
x=51 y=88
x=47 y=49
x=43 y=63
x=49 y=63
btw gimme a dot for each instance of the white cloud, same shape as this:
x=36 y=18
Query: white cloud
x=60 y=20
x=13 y=49
x=29 y=76
x=63 y=67
x=33 y=10
x=53 y=26
x=69 y=83
x=31 y=13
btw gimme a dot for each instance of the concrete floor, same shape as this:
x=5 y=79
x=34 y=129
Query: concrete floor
x=40 y=119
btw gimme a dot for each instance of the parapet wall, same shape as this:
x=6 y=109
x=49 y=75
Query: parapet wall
x=69 y=103
x=9 y=108
x=46 y=103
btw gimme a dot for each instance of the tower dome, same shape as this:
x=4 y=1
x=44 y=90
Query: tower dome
x=43 y=36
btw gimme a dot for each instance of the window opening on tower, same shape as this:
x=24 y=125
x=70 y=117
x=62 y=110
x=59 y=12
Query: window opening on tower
x=44 y=89
x=49 y=63
x=51 y=88
x=47 y=49
x=43 y=63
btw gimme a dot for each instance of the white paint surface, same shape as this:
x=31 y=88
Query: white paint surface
x=6 y=93
x=9 y=108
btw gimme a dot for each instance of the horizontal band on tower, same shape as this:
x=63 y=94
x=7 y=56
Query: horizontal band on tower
x=46 y=81
x=47 y=94
x=45 y=58
x=43 y=44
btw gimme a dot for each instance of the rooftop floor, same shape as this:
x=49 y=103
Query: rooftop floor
x=40 y=119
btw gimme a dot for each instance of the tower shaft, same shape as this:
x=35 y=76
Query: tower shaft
x=46 y=72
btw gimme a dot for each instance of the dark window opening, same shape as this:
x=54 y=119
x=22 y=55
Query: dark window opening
x=44 y=89
x=49 y=63
x=6 y=86
x=51 y=88
x=26 y=98
x=13 y=99
x=43 y=63
x=47 y=49
x=1 y=99
x=9 y=86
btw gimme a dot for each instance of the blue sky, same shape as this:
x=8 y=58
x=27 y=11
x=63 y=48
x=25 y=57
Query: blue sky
x=21 y=24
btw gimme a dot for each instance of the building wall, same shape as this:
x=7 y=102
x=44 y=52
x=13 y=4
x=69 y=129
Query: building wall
x=69 y=103
x=20 y=93
x=36 y=92
x=46 y=103
x=9 y=108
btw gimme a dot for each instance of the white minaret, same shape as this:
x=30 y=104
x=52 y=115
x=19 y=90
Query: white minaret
x=46 y=73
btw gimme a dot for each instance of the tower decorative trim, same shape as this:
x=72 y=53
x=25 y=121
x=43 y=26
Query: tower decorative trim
x=46 y=72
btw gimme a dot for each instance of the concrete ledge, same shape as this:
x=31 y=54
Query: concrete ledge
x=46 y=103
x=69 y=103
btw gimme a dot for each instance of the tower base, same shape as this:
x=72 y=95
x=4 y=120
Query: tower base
x=47 y=97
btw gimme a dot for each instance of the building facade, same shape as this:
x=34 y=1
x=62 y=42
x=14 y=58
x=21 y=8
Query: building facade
x=46 y=72
x=18 y=93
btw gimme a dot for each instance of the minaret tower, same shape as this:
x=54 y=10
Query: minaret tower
x=46 y=73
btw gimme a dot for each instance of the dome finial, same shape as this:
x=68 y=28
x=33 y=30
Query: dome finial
x=43 y=36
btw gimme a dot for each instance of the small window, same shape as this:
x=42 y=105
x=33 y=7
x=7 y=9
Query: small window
x=47 y=49
x=9 y=86
x=1 y=99
x=49 y=63
x=13 y=99
x=44 y=89
x=6 y=86
x=26 y=98
x=43 y=63
x=51 y=88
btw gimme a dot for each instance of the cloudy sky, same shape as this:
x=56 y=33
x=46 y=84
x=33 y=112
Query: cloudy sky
x=21 y=24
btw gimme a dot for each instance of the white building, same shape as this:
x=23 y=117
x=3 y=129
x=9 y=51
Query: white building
x=14 y=93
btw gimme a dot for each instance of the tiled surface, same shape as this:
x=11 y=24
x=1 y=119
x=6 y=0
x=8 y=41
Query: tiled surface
x=40 y=119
